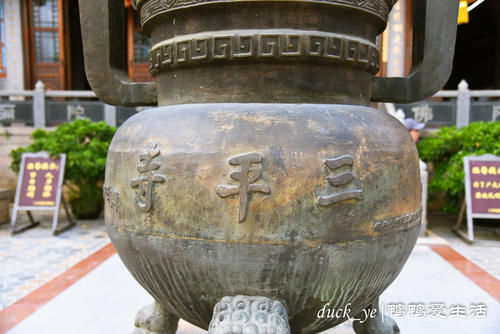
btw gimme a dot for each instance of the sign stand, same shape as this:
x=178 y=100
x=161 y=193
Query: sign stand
x=469 y=237
x=33 y=223
x=38 y=176
x=482 y=192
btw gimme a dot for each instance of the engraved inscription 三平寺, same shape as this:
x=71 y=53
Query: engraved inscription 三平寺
x=270 y=45
x=144 y=184
x=340 y=180
x=246 y=178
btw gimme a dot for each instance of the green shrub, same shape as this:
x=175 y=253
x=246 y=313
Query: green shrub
x=446 y=150
x=85 y=144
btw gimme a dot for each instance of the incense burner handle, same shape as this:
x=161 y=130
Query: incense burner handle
x=434 y=34
x=103 y=27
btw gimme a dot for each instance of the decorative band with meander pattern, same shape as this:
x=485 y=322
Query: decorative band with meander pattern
x=276 y=45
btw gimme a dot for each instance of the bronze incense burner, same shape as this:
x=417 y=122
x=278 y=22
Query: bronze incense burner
x=263 y=186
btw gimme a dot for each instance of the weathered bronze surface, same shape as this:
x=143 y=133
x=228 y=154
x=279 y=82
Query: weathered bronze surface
x=300 y=238
x=263 y=177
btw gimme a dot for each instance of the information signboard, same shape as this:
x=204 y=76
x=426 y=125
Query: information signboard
x=39 y=187
x=482 y=190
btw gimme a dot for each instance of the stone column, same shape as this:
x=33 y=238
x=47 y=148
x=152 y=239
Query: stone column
x=110 y=114
x=396 y=40
x=39 y=105
x=14 y=45
x=463 y=104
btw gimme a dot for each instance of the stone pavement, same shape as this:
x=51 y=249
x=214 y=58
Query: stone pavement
x=106 y=298
x=485 y=252
x=34 y=257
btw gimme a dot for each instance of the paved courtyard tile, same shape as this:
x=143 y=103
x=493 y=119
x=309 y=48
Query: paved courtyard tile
x=485 y=251
x=107 y=298
x=34 y=257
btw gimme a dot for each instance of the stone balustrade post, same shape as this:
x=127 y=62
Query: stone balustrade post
x=110 y=115
x=39 y=105
x=463 y=105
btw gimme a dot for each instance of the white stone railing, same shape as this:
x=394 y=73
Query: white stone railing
x=463 y=96
x=40 y=95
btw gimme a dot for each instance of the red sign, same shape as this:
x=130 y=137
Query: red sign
x=485 y=186
x=40 y=179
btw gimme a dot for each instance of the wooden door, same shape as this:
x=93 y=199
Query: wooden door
x=138 y=47
x=48 y=42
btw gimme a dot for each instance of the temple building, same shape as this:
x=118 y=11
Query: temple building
x=41 y=40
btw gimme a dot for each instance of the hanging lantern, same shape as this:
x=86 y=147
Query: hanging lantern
x=463 y=14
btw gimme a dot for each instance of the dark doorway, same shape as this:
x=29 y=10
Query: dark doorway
x=477 y=52
x=77 y=68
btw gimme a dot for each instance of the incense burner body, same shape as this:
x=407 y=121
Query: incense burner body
x=306 y=204
x=263 y=186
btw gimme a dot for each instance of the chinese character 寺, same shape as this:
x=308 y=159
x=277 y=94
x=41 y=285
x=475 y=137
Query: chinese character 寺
x=146 y=182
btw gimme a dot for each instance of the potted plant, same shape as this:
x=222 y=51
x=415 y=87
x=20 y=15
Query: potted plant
x=85 y=144
x=446 y=149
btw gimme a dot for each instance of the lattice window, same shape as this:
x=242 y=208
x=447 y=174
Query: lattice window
x=142 y=44
x=46 y=31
